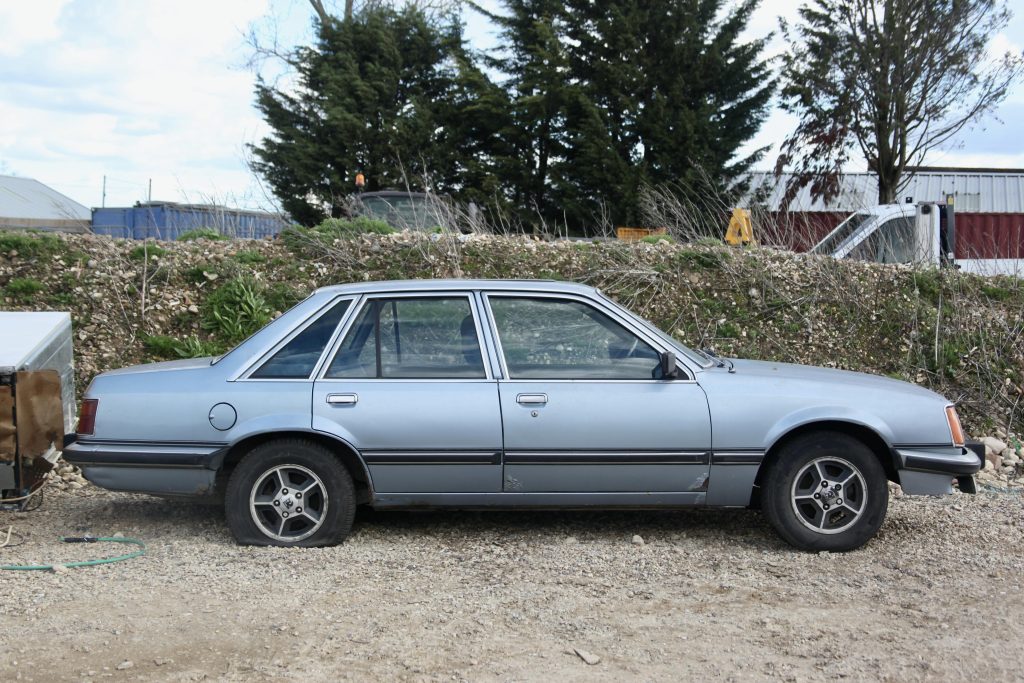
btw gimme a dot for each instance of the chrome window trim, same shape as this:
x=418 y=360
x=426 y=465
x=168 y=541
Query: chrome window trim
x=335 y=345
x=244 y=375
x=615 y=315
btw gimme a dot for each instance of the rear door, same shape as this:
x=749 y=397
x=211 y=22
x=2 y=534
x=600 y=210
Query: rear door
x=408 y=387
x=583 y=407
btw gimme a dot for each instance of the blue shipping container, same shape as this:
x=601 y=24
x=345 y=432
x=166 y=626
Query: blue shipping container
x=168 y=220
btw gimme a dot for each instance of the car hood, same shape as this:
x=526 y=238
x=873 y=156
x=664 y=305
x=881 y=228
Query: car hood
x=166 y=366
x=784 y=372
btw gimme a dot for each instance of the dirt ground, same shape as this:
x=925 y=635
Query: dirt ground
x=512 y=596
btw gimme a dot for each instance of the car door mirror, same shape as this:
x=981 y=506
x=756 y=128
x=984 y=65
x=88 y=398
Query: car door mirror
x=668 y=366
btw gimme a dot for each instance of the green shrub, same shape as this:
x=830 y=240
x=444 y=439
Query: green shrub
x=701 y=260
x=249 y=256
x=996 y=292
x=654 y=239
x=299 y=239
x=29 y=245
x=23 y=289
x=236 y=309
x=162 y=346
x=144 y=251
x=281 y=297
x=200 y=234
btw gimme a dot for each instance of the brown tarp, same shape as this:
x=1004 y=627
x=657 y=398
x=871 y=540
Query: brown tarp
x=7 y=437
x=40 y=413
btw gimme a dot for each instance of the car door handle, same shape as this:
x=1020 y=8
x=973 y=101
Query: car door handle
x=532 y=399
x=342 y=399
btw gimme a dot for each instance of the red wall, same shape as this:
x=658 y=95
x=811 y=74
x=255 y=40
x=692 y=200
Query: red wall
x=990 y=235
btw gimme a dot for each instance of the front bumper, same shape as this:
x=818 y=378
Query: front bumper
x=930 y=471
x=167 y=468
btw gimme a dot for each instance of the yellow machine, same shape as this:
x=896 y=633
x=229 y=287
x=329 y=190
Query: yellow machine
x=740 y=230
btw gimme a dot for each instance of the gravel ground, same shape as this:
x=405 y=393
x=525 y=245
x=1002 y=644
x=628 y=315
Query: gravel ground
x=514 y=596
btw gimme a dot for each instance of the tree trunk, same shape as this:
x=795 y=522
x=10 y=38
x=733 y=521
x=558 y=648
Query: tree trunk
x=888 y=183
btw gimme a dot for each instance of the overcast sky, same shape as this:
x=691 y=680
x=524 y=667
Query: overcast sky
x=158 y=90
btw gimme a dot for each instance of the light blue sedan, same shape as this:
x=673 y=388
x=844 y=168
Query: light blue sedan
x=527 y=394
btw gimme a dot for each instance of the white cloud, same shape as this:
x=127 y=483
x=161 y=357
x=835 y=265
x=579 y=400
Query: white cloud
x=29 y=23
x=133 y=91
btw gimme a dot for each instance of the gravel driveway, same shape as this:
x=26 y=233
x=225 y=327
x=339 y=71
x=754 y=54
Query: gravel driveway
x=513 y=596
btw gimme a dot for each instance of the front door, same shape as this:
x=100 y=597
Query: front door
x=409 y=389
x=584 y=408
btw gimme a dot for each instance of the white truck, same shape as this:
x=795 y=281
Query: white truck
x=922 y=233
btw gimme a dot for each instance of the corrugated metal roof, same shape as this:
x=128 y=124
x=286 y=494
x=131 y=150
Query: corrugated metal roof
x=30 y=199
x=974 y=190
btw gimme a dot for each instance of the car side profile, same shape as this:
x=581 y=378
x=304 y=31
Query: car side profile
x=510 y=394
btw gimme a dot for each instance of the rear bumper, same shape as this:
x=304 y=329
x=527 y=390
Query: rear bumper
x=167 y=468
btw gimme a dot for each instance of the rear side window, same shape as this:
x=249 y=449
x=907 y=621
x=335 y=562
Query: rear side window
x=297 y=358
x=403 y=338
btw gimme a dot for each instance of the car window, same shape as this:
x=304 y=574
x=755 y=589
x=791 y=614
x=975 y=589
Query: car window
x=297 y=358
x=546 y=338
x=402 y=338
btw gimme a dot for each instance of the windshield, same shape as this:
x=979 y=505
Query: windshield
x=830 y=244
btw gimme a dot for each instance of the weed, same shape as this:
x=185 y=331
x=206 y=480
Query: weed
x=162 y=346
x=654 y=239
x=996 y=292
x=30 y=245
x=144 y=251
x=249 y=256
x=200 y=234
x=281 y=297
x=300 y=239
x=701 y=260
x=23 y=289
x=236 y=309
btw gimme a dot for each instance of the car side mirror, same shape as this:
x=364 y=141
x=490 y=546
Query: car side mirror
x=668 y=366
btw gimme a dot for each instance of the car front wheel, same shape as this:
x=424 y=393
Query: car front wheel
x=826 y=491
x=290 y=493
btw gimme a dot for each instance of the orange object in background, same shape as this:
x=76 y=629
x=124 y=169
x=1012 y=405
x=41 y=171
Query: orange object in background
x=637 y=234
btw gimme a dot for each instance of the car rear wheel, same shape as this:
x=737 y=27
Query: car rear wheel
x=290 y=493
x=826 y=491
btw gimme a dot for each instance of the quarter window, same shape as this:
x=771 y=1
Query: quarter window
x=403 y=338
x=563 y=339
x=298 y=357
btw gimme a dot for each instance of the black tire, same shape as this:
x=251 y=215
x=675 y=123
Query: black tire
x=812 y=515
x=258 y=489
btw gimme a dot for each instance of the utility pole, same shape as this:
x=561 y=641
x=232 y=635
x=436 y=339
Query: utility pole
x=149 y=195
x=103 y=202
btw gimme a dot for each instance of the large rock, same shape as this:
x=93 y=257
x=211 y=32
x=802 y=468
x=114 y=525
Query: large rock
x=993 y=445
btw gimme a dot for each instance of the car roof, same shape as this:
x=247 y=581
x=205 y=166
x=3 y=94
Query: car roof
x=443 y=285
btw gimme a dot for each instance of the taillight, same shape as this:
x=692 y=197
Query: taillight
x=955 y=430
x=87 y=416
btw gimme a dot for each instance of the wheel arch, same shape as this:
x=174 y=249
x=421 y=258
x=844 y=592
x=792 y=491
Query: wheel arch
x=863 y=433
x=346 y=453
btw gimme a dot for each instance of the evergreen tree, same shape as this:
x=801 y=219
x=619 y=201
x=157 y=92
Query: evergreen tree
x=627 y=93
x=533 y=58
x=376 y=94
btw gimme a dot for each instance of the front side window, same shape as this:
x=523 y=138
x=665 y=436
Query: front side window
x=564 y=339
x=297 y=358
x=404 y=338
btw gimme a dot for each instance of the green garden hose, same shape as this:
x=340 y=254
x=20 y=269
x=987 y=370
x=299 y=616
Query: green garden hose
x=85 y=563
